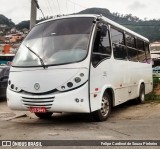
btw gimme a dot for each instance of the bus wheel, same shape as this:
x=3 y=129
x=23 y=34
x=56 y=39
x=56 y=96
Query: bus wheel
x=141 y=98
x=46 y=115
x=103 y=113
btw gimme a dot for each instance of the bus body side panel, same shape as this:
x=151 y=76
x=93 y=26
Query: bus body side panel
x=124 y=77
x=108 y=74
x=132 y=75
x=145 y=76
x=140 y=73
x=120 y=79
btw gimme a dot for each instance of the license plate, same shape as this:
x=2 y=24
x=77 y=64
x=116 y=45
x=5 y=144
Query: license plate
x=37 y=109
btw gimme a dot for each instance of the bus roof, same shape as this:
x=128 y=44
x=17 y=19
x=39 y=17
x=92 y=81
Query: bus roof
x=103 y=19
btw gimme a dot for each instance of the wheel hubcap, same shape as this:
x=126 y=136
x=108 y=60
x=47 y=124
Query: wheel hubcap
x=105 y=106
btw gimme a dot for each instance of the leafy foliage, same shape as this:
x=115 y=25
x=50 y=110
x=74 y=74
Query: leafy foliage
x=23 y=24
x=147 y=28
x=5 y=21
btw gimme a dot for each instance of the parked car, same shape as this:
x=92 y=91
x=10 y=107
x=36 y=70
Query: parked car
x=4 y=74
x=156 y=71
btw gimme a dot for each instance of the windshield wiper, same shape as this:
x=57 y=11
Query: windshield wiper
x=41 y=60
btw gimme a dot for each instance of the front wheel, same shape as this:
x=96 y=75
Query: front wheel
x=103 y=113
x=46 y=115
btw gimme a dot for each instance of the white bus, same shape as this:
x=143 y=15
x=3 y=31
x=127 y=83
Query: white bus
x=79 y=63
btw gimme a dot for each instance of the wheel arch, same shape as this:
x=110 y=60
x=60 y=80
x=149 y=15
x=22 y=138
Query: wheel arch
x=110 y=91
x=140 y=83
x=103 y=113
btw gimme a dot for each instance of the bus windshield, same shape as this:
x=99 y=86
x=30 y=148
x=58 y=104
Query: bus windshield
x=56 y=42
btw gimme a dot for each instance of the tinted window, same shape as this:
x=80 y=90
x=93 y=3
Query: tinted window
x=117 y=36
x=139 y=44
x=101 y=49
x=6 y=59
x=130 y=41
x=61 y=27
x=119 y=52
x=148 y=55
x=132 y=54
x=141 y=51
x=142 y=56
x=119 y=49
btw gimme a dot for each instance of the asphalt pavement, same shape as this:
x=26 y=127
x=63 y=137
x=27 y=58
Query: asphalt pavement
x=127 y=122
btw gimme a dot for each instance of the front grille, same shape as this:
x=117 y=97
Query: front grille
x=44 y=93
x=46 y=102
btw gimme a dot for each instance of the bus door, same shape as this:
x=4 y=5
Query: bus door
x=101 y=54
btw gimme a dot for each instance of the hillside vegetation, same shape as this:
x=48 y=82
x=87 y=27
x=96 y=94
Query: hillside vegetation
x=5 y=21
x=147 y=28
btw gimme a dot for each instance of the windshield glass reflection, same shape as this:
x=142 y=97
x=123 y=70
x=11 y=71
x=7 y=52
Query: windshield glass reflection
x=56 y=42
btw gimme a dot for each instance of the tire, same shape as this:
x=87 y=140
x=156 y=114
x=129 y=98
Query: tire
x=103 y=113
x=141 y=98
x=46 y=115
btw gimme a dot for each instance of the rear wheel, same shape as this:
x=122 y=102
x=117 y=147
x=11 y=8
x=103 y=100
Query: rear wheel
x=103 y=113
x=141 y=98
x=46 y=115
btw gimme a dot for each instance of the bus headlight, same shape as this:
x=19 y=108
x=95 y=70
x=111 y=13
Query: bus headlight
x=79 y=79
x=13 y=87
x=69 y=84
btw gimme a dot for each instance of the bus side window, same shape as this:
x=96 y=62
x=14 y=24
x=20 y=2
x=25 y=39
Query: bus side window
x=131 y=48
x=119 y=49
x=148 y=55
x=141 y=51
x=101 y=48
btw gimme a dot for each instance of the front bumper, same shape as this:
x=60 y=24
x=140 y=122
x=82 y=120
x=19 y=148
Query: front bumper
x=70 y=101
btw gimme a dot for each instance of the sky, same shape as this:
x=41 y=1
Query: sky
x=19 y=10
